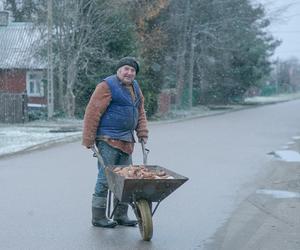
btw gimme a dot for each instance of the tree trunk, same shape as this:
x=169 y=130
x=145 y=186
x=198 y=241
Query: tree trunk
x=61 y=86
x=180 y=66
x=70 y=97
x=50 y=94
x=191 y=71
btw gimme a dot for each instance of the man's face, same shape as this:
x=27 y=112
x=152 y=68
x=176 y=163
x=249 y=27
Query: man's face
x=126 y=74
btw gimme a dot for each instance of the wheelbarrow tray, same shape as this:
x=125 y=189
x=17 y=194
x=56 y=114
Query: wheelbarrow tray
x=130 y=189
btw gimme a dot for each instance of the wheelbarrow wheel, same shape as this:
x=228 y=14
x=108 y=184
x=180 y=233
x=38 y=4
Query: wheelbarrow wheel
x=144 y=217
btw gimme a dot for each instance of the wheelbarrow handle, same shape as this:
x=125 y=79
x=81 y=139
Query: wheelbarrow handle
x=98 y=155
x=145 y=152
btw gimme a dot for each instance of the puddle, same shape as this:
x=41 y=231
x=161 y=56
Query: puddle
x=287 y=155
x=278 y=194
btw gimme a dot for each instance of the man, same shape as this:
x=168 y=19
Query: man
x=114 y=112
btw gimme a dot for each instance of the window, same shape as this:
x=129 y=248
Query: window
x=34 y=84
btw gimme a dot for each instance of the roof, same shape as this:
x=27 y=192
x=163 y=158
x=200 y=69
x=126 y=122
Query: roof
x=19 y=43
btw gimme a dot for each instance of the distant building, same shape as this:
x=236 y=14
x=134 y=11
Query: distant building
x=22 y=70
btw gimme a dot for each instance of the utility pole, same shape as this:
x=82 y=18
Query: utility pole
x=50 y=96
x=191 y=69
x=1 y=5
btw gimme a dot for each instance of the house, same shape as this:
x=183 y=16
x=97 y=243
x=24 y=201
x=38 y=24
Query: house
x=22 y=70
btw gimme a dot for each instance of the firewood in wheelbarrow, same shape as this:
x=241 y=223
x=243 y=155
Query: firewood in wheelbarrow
x=141 y=172
x=146 y=174
x=161 y=173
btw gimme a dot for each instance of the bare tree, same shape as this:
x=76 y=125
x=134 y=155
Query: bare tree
x=78 y=26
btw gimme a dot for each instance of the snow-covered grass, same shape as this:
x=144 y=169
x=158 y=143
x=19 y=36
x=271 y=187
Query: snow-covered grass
x=270 y=99
x=16 y=138
x=202 y=110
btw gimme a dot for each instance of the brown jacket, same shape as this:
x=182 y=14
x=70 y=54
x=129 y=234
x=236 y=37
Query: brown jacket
x=97 y=105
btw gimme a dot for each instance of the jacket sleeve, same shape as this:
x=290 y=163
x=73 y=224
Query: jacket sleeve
x=142 y=129
x=97 y=105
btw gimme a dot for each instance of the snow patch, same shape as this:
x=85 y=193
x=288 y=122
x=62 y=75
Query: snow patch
x=287 y=155
x=278 y=194
x=17 y=139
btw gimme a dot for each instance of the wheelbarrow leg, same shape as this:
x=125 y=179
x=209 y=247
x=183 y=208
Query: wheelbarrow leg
x=109 y=215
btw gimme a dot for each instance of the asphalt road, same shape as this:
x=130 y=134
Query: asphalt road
x=45 y=196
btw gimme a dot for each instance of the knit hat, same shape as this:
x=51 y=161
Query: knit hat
x=131 y=61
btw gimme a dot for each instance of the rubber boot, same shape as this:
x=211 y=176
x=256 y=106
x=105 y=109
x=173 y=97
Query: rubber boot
x=99 y=218
x=120 y=214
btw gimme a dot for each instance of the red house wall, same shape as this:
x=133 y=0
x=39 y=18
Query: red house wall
x=13 y=81
x=37 y=100
x=164 y=102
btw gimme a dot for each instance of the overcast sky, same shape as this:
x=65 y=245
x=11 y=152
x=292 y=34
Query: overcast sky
x=285 y=26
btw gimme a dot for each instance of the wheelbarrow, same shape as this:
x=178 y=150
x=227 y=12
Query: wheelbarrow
x=140 y=193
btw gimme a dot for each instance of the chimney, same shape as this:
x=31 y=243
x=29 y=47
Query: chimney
x=3 y=18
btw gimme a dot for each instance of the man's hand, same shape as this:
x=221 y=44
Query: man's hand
x=89 y=146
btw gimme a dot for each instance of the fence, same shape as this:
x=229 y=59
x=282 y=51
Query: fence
x=13 y=107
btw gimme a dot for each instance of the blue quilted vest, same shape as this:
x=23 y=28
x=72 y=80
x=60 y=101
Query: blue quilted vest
x=121 y=116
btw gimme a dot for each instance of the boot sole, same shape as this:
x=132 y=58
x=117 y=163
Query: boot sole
x=126 y=224
x=105 y=226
